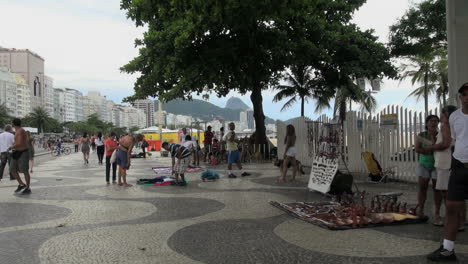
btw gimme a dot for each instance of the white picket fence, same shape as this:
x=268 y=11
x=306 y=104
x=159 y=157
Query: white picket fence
x=393 y=148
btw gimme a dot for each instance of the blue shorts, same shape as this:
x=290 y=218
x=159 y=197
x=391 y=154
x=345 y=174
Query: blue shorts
x=234 y=156
x=122 y=159
x=426 y=173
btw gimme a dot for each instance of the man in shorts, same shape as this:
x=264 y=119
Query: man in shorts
x=180 y=161
x=458 y=182
x=124 y=155
x=233 y=152
x=20 y=158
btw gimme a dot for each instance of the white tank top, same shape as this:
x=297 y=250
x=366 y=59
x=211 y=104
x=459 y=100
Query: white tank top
x=443 y=158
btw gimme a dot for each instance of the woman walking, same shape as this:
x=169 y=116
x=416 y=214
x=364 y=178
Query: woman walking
x=289 y=153
x=85 y=143
x=110 y=146
x=31 y=150
x=426 y=170
x=100 y=147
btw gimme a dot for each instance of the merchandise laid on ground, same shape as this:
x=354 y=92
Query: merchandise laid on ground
x=349 y=215
x=158 y=181
x=168 y=170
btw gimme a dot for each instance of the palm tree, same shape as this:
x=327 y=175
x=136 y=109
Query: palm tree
x=39 y=118
x=430 y=70
x=4 y=115
x=301 y=87
x=350 y=93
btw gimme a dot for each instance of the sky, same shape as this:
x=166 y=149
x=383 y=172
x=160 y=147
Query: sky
x=85 y=42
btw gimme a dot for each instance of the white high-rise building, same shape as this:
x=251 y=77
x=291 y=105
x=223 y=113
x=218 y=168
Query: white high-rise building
x=31 y=67
x=95 y=103
x=23 y=97
x=48 y=103
x=8 y=90
x=134 y=117
x=68 y=105
x=73 y=105
x=110 y=105
x=148 y=107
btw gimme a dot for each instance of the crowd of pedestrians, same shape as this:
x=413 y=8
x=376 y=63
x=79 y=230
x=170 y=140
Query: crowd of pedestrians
x=442 y=149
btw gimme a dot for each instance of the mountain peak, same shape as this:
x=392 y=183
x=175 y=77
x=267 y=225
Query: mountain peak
x=236 y=103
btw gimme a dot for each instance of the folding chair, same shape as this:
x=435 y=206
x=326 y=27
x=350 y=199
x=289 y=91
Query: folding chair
x=376 y=174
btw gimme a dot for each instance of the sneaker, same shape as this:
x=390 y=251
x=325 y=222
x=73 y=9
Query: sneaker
x=26 y=191
x=232 y=176
x=442 y=254
x=20 y=187
x=245 y=174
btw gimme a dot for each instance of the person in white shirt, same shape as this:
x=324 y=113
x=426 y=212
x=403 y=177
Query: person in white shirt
x=191 y=145
x=233 y=151
x=182 y=136
x=458 y=183
x=6 y=141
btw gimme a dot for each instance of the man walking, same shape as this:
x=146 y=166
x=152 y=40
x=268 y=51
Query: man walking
x=458 y=182
x=233 y=152
x=180 y=160
x=20 y=158
x=6 y=141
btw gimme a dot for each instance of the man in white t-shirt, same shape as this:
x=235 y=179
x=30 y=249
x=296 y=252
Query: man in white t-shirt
x=458 y=184
x=6 y=141
x=233 y=152
x=182 y=136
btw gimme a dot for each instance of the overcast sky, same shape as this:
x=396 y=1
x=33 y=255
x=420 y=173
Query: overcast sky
x=84 y=42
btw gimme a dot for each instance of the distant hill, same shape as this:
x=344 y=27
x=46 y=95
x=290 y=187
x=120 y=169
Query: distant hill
x=236 y=103
x=203 y=110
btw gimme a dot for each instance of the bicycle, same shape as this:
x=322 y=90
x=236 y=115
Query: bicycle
x=64 y=150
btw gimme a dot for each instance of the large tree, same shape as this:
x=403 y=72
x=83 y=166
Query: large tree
x=220 y=46
x=420 y=31
x=353 y=54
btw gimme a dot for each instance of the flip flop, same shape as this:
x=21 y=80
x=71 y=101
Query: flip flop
x=438 y=222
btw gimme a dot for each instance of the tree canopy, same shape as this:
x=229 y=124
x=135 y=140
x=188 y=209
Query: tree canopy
x=421 y=30
x=215 y=46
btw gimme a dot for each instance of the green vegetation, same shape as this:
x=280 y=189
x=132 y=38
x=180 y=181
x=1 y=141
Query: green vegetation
x=420 y=37
x=5 y=117
x=209 y=47
x=420 y=31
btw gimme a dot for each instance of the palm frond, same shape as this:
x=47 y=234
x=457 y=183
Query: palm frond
x=288 y=104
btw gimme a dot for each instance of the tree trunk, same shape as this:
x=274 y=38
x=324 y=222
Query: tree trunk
x=426 y=94
x=342 y=111
x=302 y=106
x=260 y=130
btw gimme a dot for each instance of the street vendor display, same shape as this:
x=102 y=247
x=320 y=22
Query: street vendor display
x=342 y=216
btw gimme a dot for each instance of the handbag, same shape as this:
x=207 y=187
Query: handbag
x=113 y=156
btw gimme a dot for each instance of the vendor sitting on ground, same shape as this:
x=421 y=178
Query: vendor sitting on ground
x=180 y=160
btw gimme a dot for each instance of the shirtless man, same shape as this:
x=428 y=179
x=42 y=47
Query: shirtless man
x=20 y=158
x=124 y=155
